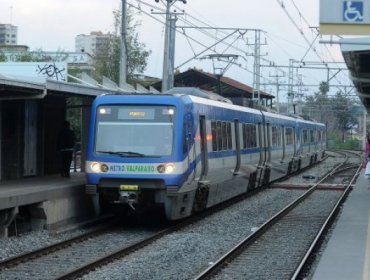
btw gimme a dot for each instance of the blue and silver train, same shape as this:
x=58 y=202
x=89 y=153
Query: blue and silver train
x=187 y=153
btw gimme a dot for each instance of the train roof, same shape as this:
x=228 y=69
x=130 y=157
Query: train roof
x=198 y=96
x=197 y=92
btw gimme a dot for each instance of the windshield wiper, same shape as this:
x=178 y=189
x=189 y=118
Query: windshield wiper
x=122 y=154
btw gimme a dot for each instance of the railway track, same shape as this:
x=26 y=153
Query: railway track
x=85 y=255
x=79 y=255
x=292 y=235
x=52 y=261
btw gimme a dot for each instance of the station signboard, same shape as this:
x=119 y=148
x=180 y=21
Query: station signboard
x=345 y=17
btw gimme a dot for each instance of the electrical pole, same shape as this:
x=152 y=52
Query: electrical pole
x=123 y=53
x=169 y=46
x=257 y=67
x=300 y=94
x=290 y=87
x=277 y=76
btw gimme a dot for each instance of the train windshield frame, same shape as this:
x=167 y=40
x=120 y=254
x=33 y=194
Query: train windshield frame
x=135 y=130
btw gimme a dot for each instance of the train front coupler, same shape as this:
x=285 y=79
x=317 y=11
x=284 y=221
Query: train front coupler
x=128 y=197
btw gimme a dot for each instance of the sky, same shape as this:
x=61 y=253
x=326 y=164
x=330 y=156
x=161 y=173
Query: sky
x=53 y=25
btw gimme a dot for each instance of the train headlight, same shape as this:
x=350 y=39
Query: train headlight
x=167 y=168
x=170 y=168
x=98 y=167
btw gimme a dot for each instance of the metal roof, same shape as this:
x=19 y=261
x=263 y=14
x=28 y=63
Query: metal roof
x=356 y=53
x=229 y=87
x=12 y=87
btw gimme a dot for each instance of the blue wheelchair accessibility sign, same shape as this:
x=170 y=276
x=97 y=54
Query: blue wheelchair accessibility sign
x=353 y=11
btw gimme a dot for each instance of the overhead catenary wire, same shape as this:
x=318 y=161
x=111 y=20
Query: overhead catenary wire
x=281 y=3
x=204 y=31
x=184 y=33
x=191 y=21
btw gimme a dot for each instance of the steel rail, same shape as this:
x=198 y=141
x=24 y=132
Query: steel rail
x=328 y=222
x=217 y=265
x=12 y=261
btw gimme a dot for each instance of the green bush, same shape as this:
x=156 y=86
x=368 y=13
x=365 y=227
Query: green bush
x=346 y=145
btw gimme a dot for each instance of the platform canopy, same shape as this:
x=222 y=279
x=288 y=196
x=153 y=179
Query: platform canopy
x=356 y=53
x=16 y=87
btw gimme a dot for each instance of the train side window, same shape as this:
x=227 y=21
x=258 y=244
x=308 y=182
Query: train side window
x=249 y=136
x=273 y=136
x=276 y=136
x=187 y=130
x=219 y=136
x=305 y=136
x=312 y=136
x=244 y=130
x=224 y=136
x=214 y=135
x=229 y=136
x=289 y=136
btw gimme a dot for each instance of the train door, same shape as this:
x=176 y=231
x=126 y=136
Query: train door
x=297 y=141
x=261 y=144
x=203 y=148
x=268 y=142
x=237 y=146
x=188 y=141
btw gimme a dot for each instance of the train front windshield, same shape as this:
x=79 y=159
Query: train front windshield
x=135 y=131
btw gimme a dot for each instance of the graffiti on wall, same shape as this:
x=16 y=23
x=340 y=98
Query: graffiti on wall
x=51 y=71
x=57 y=71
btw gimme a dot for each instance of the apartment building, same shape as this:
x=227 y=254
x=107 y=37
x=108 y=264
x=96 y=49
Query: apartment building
x=94 y=44
x=8 y=34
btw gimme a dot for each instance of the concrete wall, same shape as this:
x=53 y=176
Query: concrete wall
x=53 y=214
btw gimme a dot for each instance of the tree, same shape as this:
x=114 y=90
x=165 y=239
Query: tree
x=316 y=105
x=107 y=63
x=324 y=88
x=336 y=112
x=2 y=56
x=343 y=111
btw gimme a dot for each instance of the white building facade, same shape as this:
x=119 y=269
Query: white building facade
x=94 y=44
x=8 y=34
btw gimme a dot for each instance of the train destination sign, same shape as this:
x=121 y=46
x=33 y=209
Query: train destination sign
x=345 y=17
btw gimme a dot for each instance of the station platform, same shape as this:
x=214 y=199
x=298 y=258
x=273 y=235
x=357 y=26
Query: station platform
x=347 y=254
x=36 y=189
x=49 y=201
